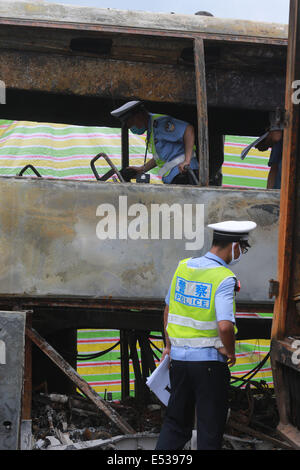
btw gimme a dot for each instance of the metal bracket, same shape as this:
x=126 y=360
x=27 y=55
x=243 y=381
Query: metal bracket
x=32 y=168
x=273 y=288
x=111 y=172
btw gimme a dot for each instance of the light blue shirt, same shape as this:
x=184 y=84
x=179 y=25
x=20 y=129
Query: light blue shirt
x=223 y=306
x=168 y=135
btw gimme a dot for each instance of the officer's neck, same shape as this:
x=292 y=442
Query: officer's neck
x=223 y=253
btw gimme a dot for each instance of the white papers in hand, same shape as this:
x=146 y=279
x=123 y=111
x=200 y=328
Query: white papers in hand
x=159 y=381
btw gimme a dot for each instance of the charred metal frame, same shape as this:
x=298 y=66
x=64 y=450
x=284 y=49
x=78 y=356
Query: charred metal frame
x=286 y=320
x=261 y=92
x=98 y=313
x=196 y=89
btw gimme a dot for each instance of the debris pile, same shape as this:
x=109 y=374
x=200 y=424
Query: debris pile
x=61 y=420
x=253 y=419
x=73 y=422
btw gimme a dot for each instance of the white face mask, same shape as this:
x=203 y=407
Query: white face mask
x=234 y=261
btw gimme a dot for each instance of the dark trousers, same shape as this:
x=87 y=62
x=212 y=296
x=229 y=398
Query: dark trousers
x=185 y=178
x=203 y=385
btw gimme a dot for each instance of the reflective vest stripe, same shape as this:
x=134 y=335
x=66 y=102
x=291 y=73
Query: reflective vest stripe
x=197 y=342
x=190 y=322
x=159 y=162
x=168 y=166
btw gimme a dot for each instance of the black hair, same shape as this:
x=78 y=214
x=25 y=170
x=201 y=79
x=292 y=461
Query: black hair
x=220 y=243
x=223 y=243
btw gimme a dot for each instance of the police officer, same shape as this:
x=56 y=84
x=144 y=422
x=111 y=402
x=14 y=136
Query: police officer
x=200 y=329
x=171 y=142
x=274 y=139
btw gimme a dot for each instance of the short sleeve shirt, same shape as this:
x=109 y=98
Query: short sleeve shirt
x=168 y=133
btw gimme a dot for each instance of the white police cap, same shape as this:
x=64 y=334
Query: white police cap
x=233 y=230
x=126 y=110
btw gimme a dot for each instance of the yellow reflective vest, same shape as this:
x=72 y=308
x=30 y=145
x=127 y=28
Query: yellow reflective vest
x=160 y=163
x=192 y=317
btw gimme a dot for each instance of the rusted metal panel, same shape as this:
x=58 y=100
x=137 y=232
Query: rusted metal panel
x=141 y=22
x=106 y=78
x=96 y=77
x=27 y=390
x=284 y=351
x=49 y=244
x=246 y=89
x=12 y=340
x=97 y=44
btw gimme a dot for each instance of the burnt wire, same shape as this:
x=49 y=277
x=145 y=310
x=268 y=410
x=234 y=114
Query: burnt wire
x=244 y=379
x=154 y=346
x=251 y=373
x=85 y=357
x=101 y=353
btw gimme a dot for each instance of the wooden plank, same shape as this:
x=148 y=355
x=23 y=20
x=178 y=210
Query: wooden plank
x=291 y=434
x=79 y=382
x=258 y=434
x=201 y=99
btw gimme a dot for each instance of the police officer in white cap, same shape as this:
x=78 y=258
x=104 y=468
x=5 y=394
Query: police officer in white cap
x=171 y=142
x=200 y=330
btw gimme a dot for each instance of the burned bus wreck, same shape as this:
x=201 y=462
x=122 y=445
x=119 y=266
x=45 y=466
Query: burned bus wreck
x=74 y=65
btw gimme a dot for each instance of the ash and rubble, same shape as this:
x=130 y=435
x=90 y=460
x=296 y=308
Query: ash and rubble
x=61 y=421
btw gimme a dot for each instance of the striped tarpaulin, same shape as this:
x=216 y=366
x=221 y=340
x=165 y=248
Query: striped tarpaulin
x=252 y=172
x=64 y=151
x=249 y=353
x=103 y=373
